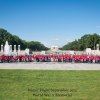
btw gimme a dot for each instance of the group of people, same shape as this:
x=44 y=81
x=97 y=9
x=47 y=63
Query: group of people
x=51 y=58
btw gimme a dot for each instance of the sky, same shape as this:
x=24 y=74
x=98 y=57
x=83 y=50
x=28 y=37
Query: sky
x=52 y=22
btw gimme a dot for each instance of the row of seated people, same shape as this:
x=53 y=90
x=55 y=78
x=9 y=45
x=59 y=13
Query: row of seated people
x=51 y=58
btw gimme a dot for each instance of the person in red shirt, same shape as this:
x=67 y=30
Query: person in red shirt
x=2 y=58
x=96 y=59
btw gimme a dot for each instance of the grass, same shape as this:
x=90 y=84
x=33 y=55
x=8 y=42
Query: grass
x=49 y=85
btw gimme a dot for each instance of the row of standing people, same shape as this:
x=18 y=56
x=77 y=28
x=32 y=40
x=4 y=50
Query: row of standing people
x=51 y=58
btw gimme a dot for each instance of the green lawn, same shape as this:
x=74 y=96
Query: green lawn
x=49 y=85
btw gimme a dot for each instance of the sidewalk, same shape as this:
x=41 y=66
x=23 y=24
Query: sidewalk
x=50 y=66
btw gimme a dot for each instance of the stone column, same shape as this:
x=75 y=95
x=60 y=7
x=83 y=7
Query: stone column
x=10 y=49
x=18 y=49
x=2 y=48
x=14 y=48
x=97 y=46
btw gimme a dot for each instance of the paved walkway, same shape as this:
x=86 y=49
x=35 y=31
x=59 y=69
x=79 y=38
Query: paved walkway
x=50 y=66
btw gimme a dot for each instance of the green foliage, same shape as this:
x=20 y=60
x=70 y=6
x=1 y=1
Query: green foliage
x=36 y=46
x=15 y=40
x=86 y=41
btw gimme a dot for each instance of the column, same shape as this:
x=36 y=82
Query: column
x=2 y=48
x=18 y=49
x=10 y=49
x=97 y=46
x=14 y=48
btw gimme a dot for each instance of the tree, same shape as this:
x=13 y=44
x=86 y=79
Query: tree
x=86 y=41
x=36 y=46
x=15 y=40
